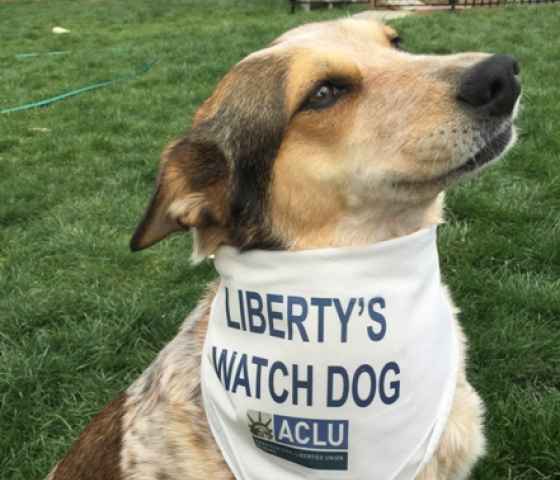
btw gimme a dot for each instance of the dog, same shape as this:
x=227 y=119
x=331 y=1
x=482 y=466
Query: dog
x=330 y=137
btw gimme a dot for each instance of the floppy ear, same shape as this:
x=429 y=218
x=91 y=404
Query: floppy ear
x=187 y=193
x=216 y=181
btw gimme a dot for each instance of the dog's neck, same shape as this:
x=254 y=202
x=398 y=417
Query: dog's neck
x=353 y=229
x=370 y=226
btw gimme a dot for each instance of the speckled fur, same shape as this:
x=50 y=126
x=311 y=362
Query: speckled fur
x=166 y=434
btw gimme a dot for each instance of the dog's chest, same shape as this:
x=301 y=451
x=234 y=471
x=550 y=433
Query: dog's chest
x=302 y=377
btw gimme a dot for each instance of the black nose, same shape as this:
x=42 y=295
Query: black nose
x=491 y=86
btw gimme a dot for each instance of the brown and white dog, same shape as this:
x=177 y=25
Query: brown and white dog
x=330 y=136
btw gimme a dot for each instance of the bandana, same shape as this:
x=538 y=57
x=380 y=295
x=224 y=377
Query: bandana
x=333 y=363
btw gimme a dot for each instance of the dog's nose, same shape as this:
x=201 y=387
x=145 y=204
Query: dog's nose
x=491 y=86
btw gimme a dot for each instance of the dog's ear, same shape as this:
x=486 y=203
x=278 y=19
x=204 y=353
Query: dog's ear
x=189 y=192
x=217 y=180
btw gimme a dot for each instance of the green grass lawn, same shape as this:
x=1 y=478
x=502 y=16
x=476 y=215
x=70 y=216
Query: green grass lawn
x=81 y=317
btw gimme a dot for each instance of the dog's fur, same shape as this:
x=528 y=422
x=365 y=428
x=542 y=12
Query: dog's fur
x=262 y=168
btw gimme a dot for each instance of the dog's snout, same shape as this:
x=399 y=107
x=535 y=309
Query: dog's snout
x=491 y=86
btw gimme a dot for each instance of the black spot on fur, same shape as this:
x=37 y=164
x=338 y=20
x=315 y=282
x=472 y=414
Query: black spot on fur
x=229 y=158
x=246 y=134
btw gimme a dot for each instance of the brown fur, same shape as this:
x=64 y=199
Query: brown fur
x=96 y=453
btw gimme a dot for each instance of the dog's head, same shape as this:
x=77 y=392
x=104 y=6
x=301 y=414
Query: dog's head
x=331 y=135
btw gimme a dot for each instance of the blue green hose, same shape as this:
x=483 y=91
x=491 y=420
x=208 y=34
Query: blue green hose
x=48 y=101
x=21 y=56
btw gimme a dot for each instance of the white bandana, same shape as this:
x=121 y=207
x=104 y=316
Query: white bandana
x=330 y=364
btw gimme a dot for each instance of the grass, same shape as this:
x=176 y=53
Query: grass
x=81 y=317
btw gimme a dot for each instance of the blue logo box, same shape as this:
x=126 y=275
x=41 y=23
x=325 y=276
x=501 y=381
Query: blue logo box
x=311 y=433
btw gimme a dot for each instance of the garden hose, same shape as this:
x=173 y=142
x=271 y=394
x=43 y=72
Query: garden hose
x=48 y=101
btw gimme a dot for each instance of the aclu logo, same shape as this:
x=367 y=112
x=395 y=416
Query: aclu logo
x=313 y=443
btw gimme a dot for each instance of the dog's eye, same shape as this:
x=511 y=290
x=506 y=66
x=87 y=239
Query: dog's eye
x=396 y=42
x=324 y=96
